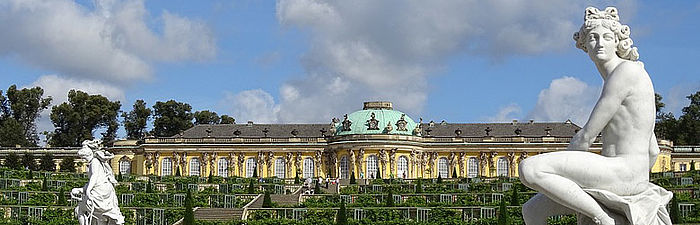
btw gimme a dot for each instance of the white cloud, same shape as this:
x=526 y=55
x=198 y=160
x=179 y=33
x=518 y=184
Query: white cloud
x=566 y=98
x=368 y=50
x=507 y=113
x=111 y=43
x=253 y=105
x=676 y=98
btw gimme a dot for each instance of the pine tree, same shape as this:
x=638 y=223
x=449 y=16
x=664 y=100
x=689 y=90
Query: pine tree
x=342 y=217
x=12 y=161
x=675 y=211
x=503 y=214
x=515 y=196
x=419 y=186
x=251 y=187
x=267 y=201
x=390 y=198
x=189 y=212
x=62 y=198
x=352 y=179
x=317 y=188
x=45 y=184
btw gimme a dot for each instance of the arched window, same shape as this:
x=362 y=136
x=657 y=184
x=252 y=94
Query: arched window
x=194 y=167
x=124 y=166
x=472 y=167
x=442 y=167
x=372 y=167
x=250 y=166
x=402 y=167
x=223 y=167
x=344 y=170
x=280 y=168
x=308 y=167
x=502 y=167
x=166 y=167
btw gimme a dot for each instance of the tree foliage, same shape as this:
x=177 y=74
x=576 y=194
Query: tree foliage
x=29 y=161
x=18 y=113
x=206 y=117
x=682 y=131
x=226 y=119
x=171 y=118
x=46 y=163
x=76 y=119
x=67 y=165
x=189 y=211
x=503 y=218
x=136 y=120
x=12 y=161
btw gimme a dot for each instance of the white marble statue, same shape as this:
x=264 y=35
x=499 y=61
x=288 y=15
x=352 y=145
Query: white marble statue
x=613 y=187
x=98 y=198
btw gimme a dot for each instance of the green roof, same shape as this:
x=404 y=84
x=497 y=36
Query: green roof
x=360 y=122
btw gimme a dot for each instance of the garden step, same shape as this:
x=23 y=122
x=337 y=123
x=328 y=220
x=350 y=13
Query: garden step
x=218 y=213
x=280 y=200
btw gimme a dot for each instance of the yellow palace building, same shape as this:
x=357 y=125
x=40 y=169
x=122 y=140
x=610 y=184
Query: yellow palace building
x=376 y=141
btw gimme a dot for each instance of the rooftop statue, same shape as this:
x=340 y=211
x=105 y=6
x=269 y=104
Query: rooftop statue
x=98 y=199
x=613 y=187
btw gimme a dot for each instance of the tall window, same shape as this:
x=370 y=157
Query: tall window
x=194 y=167
x=372 y=167
x=280 y=168
x=166 y=167
x=472 y=167
x=308 y=167
x=402 y=167
x=344 y=171
x=502 y=167
x=124 y=166
x=250 y=166
x=223 y=167
x=442 y=167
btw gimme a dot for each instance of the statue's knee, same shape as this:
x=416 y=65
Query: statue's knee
x=528 y=171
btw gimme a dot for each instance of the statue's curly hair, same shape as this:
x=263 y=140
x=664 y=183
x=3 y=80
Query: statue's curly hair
x=608 y=19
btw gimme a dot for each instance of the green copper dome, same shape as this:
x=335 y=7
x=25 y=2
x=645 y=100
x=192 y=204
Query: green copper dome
x=374 y=119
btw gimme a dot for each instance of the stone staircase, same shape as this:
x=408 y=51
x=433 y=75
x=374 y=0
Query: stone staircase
x=220 y=214
x=280 y=200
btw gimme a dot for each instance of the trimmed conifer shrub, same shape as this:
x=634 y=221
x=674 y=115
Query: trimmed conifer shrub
x=251 y=187
x=342 y=217
x=352 y=178
x=439 y=179
x=267 y=201
x=189 y=212
x=390 y=198
x=503 y=214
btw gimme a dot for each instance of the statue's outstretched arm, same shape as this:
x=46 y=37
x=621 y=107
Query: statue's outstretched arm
x=615 y=89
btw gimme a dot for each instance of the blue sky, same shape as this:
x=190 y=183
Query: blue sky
x=295 y=61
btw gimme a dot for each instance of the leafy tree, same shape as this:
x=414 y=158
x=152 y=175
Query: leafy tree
x=352 y=178
x=659 y=103
x=267 y=201
x=171 y=118
x=206 y=117
x=189 y=212
x=342 y=216
x=29 y=162
x=689 y=122
x=67 y=165
x=136 y=120
x=12 y=161
x=23 y=106
x=46 y=163
x=515 y=196
x=503 y=214
x=226 y=119
x=390 y=198
x=76 y=119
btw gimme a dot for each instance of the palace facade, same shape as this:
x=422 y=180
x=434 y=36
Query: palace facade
x=374 y=142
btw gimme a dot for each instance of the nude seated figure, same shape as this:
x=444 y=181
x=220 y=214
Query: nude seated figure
x=625 y=114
